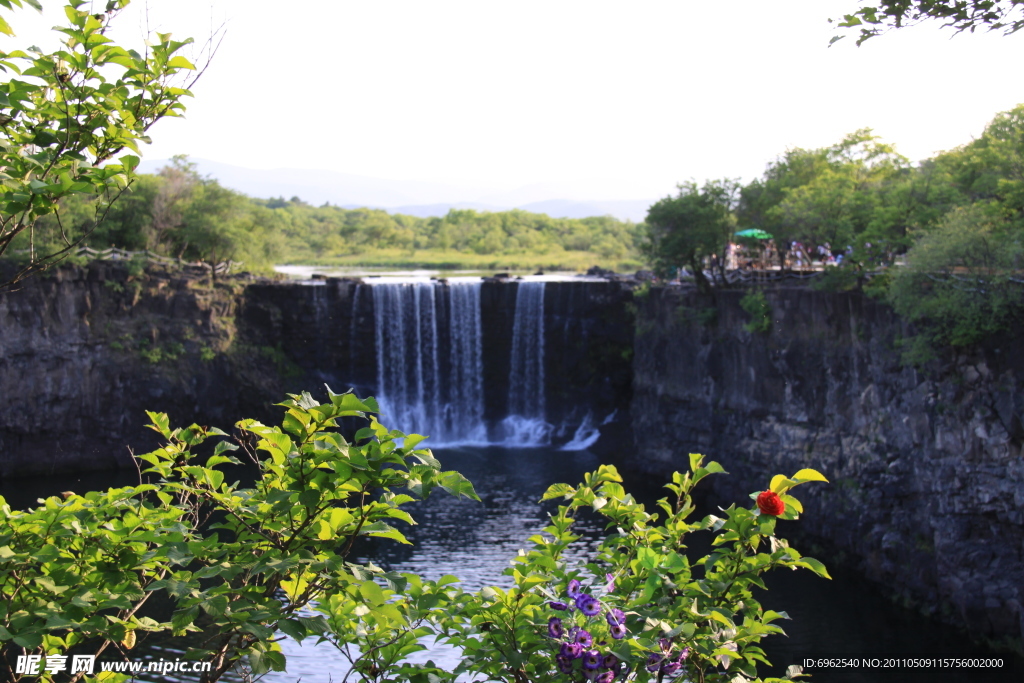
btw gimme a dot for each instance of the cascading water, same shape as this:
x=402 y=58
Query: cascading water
x=526 y=424
x=430 y=360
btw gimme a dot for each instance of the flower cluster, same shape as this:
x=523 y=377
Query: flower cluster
x=663 y=663
x=576 y=652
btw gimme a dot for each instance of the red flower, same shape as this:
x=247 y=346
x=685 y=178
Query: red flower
x=770 y=504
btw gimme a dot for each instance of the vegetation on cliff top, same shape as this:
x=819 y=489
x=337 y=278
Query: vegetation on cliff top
x=947 y=234
x=180 y=214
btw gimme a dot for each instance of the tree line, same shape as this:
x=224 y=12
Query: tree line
x=178 y=213
x=946 y=234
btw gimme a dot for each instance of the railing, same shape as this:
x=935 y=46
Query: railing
x=754 y=276
x=115 y=254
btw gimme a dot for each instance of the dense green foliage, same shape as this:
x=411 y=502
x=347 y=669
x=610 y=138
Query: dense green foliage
x=756 y=305
x=180 y=214
x=946 y=234
x=238 y=566
x=66 y=116
x=691 y=227
x=78 y=571
x=642 y=609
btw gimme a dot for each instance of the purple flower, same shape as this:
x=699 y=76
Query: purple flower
x=670 y=668
x=564 y=663
x=583 y=638
x=615 y=616
x=610 y=586
x=574 y=589
x=592 y=660
x=555 y=629
x=684 y=654
x=571 y=650
x=558 y=605
x=588 y=604
x=611 y=662
x=654 y=662
x=666 y=645
x=605 y=677
x=618 y=631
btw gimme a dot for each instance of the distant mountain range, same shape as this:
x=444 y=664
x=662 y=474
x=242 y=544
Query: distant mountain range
x=416 y=198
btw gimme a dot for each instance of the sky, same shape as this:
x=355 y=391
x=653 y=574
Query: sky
x=595 y=99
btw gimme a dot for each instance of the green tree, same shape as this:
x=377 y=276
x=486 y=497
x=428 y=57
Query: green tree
x=962 y=282
x=960 y=15
x=835 y=195
x=216 y=225
x=690 y=227
x=991 y=168
x=240 y=566
x=68 y=117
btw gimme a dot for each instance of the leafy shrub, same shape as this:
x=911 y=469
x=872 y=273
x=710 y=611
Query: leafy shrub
x=77 y=571
x=961 y=283
x=755 y=303
x=640 y=609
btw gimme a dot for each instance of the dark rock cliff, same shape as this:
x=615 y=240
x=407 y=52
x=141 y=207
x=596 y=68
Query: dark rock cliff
x=927 y=478
x=84 y=352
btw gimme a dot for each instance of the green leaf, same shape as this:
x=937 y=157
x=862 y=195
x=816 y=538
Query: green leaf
x=372 y=593
x=310 y=498
x=179 y=62
x=29 y=641
x=184 y=618
x=293 y=627
x=160 y=423
x=558 y=491
x=457 y=485
x=314 y=625
x=382 y=530
x=815 y=566
x=695 y=460
x=808 y=474
x=649 y=559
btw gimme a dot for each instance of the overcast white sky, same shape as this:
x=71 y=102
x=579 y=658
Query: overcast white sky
x=622 y=100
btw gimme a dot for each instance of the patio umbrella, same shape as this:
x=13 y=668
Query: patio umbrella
x=756 y=233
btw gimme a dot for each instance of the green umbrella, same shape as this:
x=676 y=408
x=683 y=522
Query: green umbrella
x=756 y=233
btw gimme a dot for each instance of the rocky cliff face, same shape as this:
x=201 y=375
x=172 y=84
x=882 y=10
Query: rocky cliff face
x=927 y=478
x=84 y=352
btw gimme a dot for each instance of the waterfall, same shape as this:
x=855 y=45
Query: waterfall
x=430 y=360
x=526 y=424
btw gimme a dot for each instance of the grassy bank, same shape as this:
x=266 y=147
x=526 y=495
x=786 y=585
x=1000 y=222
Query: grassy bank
x=437 y=259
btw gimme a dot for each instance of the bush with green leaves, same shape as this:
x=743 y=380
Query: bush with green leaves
x=641 y=609
x=756 y=304
x=241 y=567
x=963 y=282
x=66 y=118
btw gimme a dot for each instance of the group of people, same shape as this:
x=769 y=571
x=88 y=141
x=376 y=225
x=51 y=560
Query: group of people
x=766 y=256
